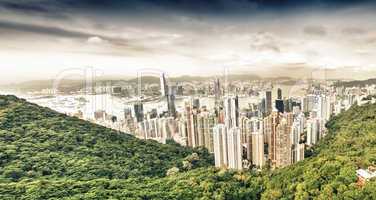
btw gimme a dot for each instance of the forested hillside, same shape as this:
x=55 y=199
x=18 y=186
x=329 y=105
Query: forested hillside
x=36 y=142
x=46 y=155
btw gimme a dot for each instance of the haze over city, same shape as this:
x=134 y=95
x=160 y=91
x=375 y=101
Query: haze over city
x=282 y=38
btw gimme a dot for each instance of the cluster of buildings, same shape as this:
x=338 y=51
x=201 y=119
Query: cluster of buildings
x=274 y=135
x=274 y=132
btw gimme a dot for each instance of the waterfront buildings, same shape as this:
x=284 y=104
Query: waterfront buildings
x=254 y=136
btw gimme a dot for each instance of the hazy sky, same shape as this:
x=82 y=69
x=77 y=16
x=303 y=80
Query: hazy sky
x=40 y=38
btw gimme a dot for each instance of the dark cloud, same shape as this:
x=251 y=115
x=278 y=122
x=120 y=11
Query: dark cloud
x=131 y=6
x=264 y=41
x=214 y=7
x=46 y=8
x=66 y=33
x=24 y=7
x=46 y=30
x=210 y=5
x=315 y=30
x=354 y=31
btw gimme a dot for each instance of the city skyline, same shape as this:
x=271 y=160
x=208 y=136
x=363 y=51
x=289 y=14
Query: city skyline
x=203 y=37
x=188 y=99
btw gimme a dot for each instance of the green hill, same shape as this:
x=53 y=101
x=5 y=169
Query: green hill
x=46 y=155
x=36 y=142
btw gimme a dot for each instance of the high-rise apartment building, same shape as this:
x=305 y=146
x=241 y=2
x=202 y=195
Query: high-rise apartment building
x=235 y=149
x=258 y=157
x=283 y=147
x=227 y=147
x=298 y=152
x=220 y=145
x=313 y=131
x=270 y=128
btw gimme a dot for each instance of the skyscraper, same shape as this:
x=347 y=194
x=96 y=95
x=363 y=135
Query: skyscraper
x=235 y=149
x=169 y=93
x=279 y=105
x=192 y=124
x=310 y=102
x=164 y=86
x=279 y=93
x=258 y=149
x=129 y=122
x=245 y=128
x=283 y=144
x=270 y=128
x=139 y=111
x=182 y=128
x=196 y=103
x=208 y=126
x=171 y=102
x=220 y=145
x=289 y=105
x=231 y=105
x=262 y=107
x=188 y=116
x=194 y=128
x=268 y=102
x=295 y=132
x=202 y=128
x=217 y=92
x=324 y=107
x=313 y=131
x=298 y=152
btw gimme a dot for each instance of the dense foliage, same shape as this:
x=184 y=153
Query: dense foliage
x=37 y=142
x=46 y=155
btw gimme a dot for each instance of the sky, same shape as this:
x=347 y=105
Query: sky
x=41 y=39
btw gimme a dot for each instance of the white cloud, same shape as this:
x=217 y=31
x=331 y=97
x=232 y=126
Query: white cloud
x=95 y=40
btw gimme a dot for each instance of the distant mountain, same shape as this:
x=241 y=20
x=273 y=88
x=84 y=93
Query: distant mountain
x=231 y=77
x=68 y=85
x=38 y=85
x=144 y=80
x=357 y=83
x=47 y=155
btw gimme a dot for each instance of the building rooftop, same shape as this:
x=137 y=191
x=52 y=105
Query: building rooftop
x=366 y=174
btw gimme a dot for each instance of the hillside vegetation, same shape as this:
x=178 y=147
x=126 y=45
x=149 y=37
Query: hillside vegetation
x=36 y=142
x=46 y=155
